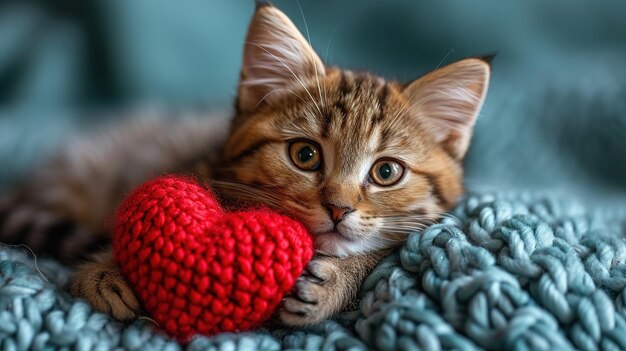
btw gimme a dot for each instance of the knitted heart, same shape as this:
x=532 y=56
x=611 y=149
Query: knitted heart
x=199 y=269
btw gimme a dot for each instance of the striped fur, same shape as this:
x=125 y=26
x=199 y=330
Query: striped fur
x=62 y=208
x=363 y=119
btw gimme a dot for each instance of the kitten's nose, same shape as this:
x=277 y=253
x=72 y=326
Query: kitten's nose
x=337 y=213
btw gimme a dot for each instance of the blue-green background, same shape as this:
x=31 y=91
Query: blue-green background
x=555 y=117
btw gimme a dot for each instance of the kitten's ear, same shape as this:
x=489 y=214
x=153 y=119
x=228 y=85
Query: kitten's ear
x=276 y=56
x=448 y=100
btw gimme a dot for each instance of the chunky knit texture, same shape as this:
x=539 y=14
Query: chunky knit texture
x=508 y=273
x=198 y=269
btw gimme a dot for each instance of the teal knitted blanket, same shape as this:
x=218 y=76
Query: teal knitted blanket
x=500 y=272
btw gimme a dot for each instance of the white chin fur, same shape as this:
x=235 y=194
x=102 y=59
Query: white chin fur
x=334 y=244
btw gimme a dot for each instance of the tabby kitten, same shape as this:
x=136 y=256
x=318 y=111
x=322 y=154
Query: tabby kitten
x=359 y=160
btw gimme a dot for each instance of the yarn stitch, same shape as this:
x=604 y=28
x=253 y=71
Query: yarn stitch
x=199 y=269
x=505 y=273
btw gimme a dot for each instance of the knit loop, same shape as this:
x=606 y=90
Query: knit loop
x=196 y=268
x=604 y=257
x=399 y=317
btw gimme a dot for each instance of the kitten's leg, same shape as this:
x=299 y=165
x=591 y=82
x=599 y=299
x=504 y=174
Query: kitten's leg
x=101 y=283
x=328 y=285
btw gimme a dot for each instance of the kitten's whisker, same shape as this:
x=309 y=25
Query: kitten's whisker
x=410 y=226
x=332 y=35
x=244 y=192
x=248 y=198
x=404 y=109
x=456 y=220
x=402 y=216
x=253 y=194
x=308 y=36
x=403 y=233
x=399 y=234
x=275 y=90
x=403 y=227
x=297 y=212
x=449 y=215
x=418 y=220
x=392 y=238
x=292 y=133
x=291 y=71
x=238 y=191
x=431 y=218
x=443 y=59
x=406 y=218
x=409 y=229
x=326 y=57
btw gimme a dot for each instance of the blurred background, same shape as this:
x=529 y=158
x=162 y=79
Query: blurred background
x=555 y=116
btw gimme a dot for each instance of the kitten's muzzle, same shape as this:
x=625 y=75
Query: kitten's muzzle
x=337 y=213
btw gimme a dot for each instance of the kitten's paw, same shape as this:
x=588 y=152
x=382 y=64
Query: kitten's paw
x=315 y=295
x=106 y=290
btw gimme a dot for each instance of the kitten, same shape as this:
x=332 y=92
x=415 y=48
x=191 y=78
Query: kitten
x=359 y=160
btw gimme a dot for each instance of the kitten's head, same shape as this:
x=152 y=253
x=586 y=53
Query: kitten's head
x=359 y=160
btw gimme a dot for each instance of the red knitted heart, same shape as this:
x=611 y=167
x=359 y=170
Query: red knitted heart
x=199 y=269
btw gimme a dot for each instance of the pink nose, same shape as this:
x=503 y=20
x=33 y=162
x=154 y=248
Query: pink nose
x=337 y=213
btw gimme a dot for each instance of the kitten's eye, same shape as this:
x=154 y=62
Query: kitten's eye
x=386 y=172
x=305 y=155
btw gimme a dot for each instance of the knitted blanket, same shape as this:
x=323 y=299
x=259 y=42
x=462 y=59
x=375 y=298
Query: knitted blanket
x=500 y=272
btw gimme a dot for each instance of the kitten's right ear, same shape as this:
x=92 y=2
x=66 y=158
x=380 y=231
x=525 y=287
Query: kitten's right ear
x=276 y=57
x=447 y=102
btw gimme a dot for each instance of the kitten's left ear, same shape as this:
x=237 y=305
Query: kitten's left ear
x=447 y=102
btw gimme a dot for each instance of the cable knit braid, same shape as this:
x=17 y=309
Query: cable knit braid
x=507 y=273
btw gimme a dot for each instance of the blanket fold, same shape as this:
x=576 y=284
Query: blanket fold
x=499 y=272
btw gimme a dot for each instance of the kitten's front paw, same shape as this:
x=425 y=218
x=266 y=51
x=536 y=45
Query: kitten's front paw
x=315 y=296
x=106 y=290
